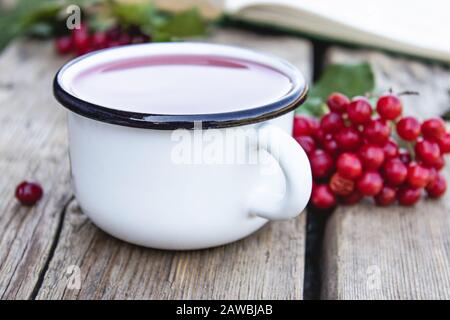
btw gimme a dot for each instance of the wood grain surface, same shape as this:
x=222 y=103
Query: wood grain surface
x=395 y=252
x=43 y=248
x=33 y=147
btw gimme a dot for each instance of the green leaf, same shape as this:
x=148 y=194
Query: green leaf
x=349 y=79
x=139 y=13
x=183 y=24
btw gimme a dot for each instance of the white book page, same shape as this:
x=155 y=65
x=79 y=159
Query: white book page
x=414 y=25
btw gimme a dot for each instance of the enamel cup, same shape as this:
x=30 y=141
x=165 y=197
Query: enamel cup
x=155 y=180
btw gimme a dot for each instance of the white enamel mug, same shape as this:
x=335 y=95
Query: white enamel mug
x=143 y=179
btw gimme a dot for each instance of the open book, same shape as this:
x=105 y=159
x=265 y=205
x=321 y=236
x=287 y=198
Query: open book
x=415 y=27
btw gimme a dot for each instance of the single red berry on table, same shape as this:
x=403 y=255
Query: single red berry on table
x=404 y=156
x=337 y=102
x=395 y=172
x=428 y=152
x=444 y=143
x=308 y=144
x=349 y=166
x=372 y=156
x=330 y=145
x=408 y=128
x=418 y=176
x=341 y=186
x=332 y=122
x=321 y=163
x=389 y=107
x=370 y=183
x=352 y=198
x=64 y=44
x=433 y=128
x=348 y=139
x=28 y=193
x=322 y=197
x=438 y=187
x=302 y=126
x=408 y=196
x=387 y=196
x=390 y=149
x=377 y=131
x=359 y=110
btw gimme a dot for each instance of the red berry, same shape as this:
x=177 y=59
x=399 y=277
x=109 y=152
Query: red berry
x=370 y=183
x=99 y=40
x=302 y=126
x=359 y=110
x=81 y=40
x=28 y=193
x=438 y=187
x=140 y=38
x=432 y=176
x=349 y=166
x=307 y=143
x=408 y=128
x=387 y=196
x=348 y=139
x=439 y=164
x=377 y=131
x=64 y=44
x=331 y=122
x=320 y=137
x=433 y=128
x=390 y=149
x=428 y=152
x=322 y=197
x=112 y=44
x=372 y=157
x=330 y=145
x=408 y=196
x=124 y=39
x=389 y=107
x=404 y=156
x=352 y=198
x=314 y=126
x=337 y=102
x=341 y=186
x=395 y=172
x=113 y=33
x=418 y=176
x=444 y=143
x=321 y=163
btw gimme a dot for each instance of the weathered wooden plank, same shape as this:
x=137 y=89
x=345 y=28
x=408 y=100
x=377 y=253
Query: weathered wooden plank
x=268 y=264
x=32 y=146
x=395 y=252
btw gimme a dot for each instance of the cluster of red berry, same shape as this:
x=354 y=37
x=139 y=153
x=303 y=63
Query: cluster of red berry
x=353 y=154
x=81 y=41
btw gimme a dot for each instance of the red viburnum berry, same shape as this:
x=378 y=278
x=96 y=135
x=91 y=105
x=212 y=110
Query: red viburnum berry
x=322 y=197
x=408 y=128
x=389 y=107
x=349 y=166
x=337 y=102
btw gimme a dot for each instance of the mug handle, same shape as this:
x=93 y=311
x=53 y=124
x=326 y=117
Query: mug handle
x=296 y=169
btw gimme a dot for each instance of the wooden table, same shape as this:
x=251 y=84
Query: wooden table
x=44 y=250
